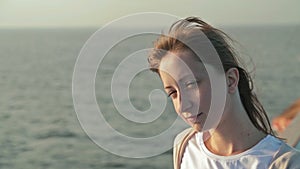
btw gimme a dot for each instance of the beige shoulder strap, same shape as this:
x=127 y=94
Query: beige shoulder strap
x=179 y=148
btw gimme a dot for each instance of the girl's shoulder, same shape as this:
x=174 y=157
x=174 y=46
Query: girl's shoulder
x=180 y=143
x=286 y=157
x=182 y=135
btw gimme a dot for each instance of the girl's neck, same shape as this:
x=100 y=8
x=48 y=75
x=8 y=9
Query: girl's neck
x=234 y=134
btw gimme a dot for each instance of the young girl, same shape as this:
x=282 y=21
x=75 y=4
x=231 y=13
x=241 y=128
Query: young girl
x=242 y=137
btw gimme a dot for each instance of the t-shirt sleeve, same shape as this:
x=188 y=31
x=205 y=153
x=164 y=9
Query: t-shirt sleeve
x=287 y=158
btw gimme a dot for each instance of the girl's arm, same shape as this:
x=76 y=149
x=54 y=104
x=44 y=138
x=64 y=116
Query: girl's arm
x=280 y=122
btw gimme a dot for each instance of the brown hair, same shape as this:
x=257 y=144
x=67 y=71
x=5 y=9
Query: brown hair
x=185 y=29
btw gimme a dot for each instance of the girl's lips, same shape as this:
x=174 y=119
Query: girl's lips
x=194 y=118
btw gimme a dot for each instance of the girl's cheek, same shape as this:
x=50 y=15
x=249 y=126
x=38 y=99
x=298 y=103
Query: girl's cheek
x=175 y=105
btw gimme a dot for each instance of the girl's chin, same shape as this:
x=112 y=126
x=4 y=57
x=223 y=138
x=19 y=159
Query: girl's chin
x=197 y=127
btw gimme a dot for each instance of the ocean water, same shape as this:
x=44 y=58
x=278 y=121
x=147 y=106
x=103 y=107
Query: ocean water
x=38 y=124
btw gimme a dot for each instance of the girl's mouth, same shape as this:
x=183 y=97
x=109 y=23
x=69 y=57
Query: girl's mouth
x=195 y=118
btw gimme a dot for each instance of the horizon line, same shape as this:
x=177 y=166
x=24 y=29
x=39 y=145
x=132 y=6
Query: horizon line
x=98 y=27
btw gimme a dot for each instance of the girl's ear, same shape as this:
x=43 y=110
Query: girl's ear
x=232 y=77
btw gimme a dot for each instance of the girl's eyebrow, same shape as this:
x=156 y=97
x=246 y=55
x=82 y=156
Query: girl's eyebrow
x=182 y=80
x=190 y=77
x=168 y=87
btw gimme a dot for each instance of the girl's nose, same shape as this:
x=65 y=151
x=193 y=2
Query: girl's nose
x=185 y=103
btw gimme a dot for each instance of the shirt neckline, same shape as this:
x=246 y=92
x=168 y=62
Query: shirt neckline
x=199 y=139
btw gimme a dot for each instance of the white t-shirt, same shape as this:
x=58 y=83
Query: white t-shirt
x=197 y=156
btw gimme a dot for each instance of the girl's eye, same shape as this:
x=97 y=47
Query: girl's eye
x=172 y=93
x=191 y=84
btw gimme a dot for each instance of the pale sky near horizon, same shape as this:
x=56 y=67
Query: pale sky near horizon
x=94 y=13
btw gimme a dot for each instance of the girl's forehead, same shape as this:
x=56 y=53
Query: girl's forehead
x=181 y=65
x=184 y=61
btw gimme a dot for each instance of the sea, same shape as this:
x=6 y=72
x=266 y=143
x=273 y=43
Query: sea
x=40 y=126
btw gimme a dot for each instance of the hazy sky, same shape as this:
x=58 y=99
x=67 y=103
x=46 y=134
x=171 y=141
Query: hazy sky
x=94 y=13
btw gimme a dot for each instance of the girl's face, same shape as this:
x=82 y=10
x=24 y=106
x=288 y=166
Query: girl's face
x=186 y=82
